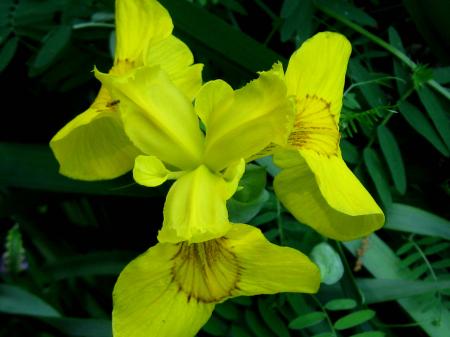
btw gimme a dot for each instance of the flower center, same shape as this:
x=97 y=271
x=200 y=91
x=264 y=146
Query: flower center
x=315 y=127
x=207 y=271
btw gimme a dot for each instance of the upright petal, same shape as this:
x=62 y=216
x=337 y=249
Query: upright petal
x=177 y=60
x=157 y=117
x=323 y=193
x=260 y=113
x=195 y=208
x=139 y=24
x=149 y=302
x=94 y=146
x=317 y=69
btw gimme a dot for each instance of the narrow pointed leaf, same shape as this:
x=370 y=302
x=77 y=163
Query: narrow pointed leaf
x=422 y=125
x=415 y=220
x=376 y=172
x=307 y=320
x=7 y=52
x=393 y=157
x=354 y=319
x=437 y=112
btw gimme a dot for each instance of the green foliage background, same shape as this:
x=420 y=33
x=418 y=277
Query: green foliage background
x=64 y=242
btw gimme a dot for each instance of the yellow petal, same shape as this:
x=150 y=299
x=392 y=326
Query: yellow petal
x=139 y=25
x=157 y=117
x=260 y=113
x=323 y=193
x=148 y=302
x=176 y=60
x=213 y=101
x=195 y=208
x=172 y=288
x=93 y=145
x=150 y=171
x=266 y=268
x=318 y=69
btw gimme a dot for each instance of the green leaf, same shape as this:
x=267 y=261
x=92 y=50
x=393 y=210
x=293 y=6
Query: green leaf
x=341 y=304
x=371 y=91
x=98 y=263
x=216 y=326
x=81 y=327
x=376 y=172
x=421 y=124
x=325 y=334
x=436 y=248
x=33 y=166
x=6 y=13
x=437 y=112
x=298 y=19
x=7 y=52
x=393 y=157
x=221 y=37
x=229 y=311
x=243 y=212
x=390 y=268
x=14 y=256
x=369 y=334
x=257 y=325
x=54 y=44
x=442 y=75
x=349 y=11
x=415 y=220
x=15 y=300
x=329 y=263
x=381 y=290
x=406 y=247
x=354 y=319
x=309 y=319
x=238 y=331
x=250 y=197
x=272 y=319
x=349 y=152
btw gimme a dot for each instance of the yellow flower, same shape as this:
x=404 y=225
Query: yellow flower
x=93 y=145
x=162 y=123
x=171 y=290
x=315 y=184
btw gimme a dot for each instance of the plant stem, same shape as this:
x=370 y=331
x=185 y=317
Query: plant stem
x=375 y=39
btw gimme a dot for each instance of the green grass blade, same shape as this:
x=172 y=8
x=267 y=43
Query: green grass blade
x=415 y=220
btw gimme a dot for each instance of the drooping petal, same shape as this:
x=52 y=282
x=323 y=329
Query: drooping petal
x=176 y=59
x=94 y=146
x=195 y=208
x=265 y=268
x=150 y=302
x=171 y=289
x=323 y=193
x=139 y=25
x=317 y=69
x=260 y=113
x=157 y=117
x=150 y=171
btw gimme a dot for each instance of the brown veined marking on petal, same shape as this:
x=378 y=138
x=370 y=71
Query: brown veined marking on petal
x=207 y=272
x=122 y=66
x=315 y=127
x=110 y=104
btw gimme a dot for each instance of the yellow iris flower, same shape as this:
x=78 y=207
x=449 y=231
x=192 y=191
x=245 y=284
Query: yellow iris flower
x=315 y=184
x=171 y=290
x=93 y=145
x=162 y=123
